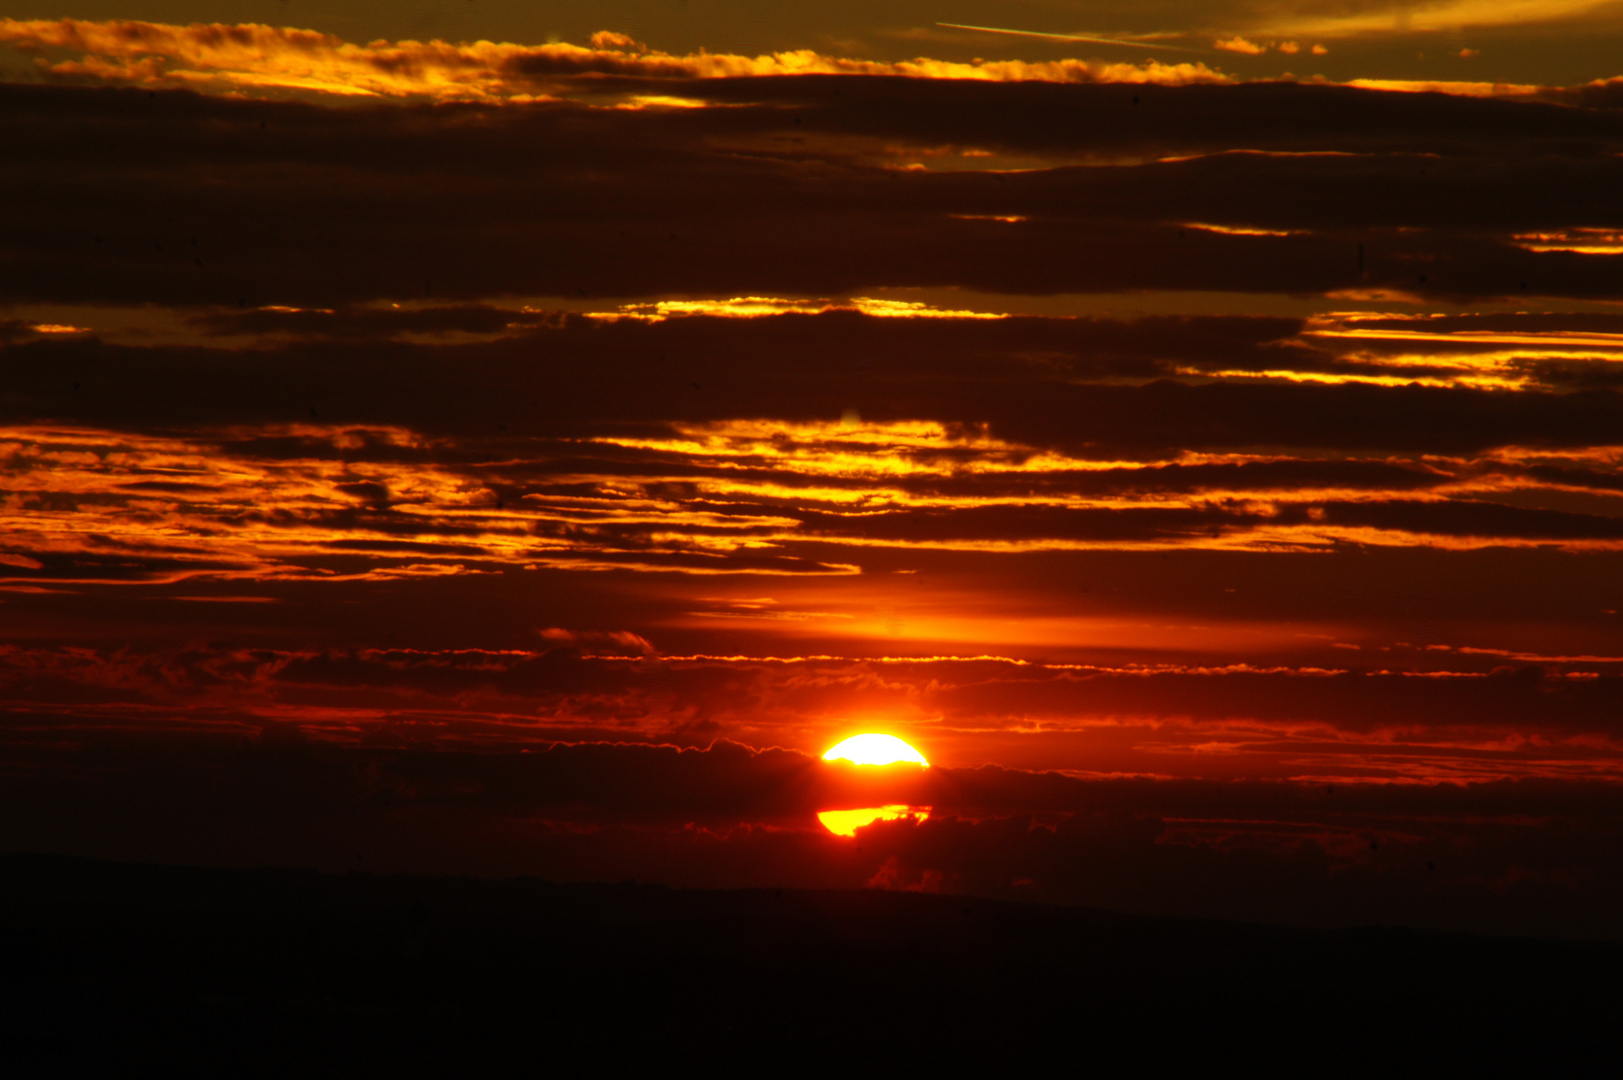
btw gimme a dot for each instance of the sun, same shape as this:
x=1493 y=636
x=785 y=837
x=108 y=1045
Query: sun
x=847 y=822
x=872 y=749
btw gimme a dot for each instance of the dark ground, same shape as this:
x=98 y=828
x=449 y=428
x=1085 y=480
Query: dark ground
x=106 y=966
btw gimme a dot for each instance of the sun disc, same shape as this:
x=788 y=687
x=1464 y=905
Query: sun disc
x=847 y=822
x=874 y=749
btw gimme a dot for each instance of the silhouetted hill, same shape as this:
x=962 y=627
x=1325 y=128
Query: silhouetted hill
x=276 y=972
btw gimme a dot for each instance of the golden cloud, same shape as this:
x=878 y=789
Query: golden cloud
x=1445 y=15
x=253 y=57
x=733 y=497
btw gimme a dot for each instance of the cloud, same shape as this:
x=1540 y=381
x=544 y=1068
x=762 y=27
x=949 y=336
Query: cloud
x=1431 y=714
x=1365 y=19
x=1019 y=435
x=349 y=502
x=461 y=223
x=256 y=58
x=610 y=641
x=1599 y=94
x=1505 y=857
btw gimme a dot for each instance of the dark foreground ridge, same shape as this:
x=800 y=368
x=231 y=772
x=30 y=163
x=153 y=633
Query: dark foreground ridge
x=273 y=972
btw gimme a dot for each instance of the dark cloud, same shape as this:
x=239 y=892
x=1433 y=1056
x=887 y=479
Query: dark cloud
x=1508 y=856
x=1439 y=712
x=585 y=377
x=1476 y=519
x=196 y=200
x=367 y=323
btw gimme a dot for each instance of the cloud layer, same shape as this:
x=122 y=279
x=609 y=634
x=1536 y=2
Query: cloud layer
x=1512 y=857
x=260 y=58
x=528 y=459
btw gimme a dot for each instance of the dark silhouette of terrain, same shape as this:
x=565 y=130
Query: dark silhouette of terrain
x=279 y=972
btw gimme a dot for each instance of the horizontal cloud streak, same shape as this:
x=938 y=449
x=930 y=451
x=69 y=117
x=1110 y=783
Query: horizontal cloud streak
x=1452 y=715
x=253 y=57
x=1329 y=191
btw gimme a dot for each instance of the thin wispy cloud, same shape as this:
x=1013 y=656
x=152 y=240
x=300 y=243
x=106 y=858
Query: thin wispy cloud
x=1092 y=39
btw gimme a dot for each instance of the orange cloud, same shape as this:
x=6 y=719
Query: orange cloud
x=253 y=57
x=1452 y=86
x=745 y=495
x=1583 y=241
x=1435 y=17
x=747 y=307
x=1239 y=44
x=201 y=511
x=611 y=641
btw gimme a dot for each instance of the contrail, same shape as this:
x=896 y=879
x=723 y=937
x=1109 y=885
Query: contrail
x=1065 y=37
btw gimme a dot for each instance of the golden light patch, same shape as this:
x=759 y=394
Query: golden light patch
x=1582 y=241
x=1242 y=230
x=751 y=307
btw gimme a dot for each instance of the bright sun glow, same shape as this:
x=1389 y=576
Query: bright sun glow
x=874 y=750
x=847 y=822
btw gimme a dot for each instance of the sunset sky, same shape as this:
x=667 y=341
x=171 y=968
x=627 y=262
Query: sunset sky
x=522 y=438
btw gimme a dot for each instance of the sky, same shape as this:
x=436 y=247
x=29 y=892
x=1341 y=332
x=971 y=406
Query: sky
x=496 y=438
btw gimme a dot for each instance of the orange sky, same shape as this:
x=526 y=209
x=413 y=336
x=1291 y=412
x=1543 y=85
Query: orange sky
x=1129 y=419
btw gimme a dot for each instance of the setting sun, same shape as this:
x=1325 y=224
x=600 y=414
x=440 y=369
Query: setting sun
x=873 y=749
x=847 y=822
